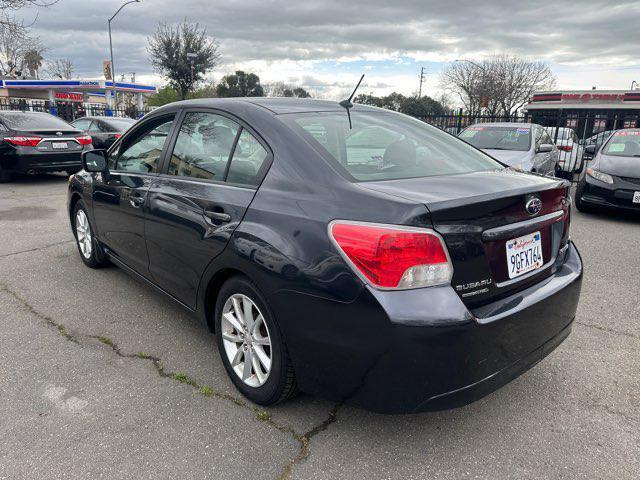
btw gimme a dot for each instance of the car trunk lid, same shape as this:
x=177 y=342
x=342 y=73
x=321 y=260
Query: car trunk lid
x=477 y=213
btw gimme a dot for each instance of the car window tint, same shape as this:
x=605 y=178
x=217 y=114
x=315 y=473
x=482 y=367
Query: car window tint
x=142 y=152
x=82 y=124
x=386 y=146
x=247 y=160
x=203 y=146
x=95 y=127
x=33 y=120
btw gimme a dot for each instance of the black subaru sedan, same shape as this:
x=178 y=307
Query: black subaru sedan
x=612 y=178
x=33 y=142
x=359 y=255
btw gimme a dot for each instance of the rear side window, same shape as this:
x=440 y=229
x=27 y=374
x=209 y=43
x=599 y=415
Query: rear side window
x=203 y=146
x=386 y=146
x=82 y=124
x=33 y=121
x=247 y=160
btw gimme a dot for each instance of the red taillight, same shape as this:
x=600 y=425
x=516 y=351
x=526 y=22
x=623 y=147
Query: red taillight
x=84 y=139
x=23 y=141
x=566 y=148
x=393 y=257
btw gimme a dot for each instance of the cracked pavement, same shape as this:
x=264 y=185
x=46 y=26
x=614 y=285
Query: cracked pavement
x=101 y=377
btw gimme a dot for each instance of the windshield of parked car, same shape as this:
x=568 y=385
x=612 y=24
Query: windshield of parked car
x=498 y=138
x=33 y=121
x=387 y=146
x=625 y=143
x=120 y=125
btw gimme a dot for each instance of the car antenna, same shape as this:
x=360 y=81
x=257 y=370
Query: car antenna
x=347 y=102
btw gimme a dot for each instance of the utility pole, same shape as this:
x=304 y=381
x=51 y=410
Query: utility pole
x=421 y=80
x=113 y=70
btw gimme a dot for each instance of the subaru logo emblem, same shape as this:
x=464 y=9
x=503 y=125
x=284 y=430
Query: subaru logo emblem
x=59 y=134
x=533 y=205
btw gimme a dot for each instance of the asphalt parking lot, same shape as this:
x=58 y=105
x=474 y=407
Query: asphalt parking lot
x=100 y=377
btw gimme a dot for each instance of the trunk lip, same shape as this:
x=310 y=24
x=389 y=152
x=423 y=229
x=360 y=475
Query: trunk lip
x=510 y=230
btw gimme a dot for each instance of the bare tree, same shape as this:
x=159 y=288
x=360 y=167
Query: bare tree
x=281 y=89
x=500 y=84
x=61 y=68
x=15 y=43
x=9 y=7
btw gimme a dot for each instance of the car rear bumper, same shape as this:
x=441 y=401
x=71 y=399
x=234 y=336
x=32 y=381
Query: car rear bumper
x=614 y=196
x=419 y=350
x=42 y=162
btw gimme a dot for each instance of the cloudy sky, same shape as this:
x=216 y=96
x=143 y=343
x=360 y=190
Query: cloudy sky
x=324 y=45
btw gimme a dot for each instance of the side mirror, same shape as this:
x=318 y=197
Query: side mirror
x=94 y=160
x=590 y=149
x=545 y=148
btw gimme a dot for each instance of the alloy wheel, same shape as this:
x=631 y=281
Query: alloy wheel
x=83 y=234
x=246 y=340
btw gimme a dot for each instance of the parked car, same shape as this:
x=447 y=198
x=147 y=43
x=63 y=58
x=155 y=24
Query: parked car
x=33 y=142
x=419 y=276
x=523 y=146
x=612 y=178
x=104 y=131
x=569 y=150
x=596 y=141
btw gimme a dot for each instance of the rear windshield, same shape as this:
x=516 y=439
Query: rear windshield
x=34 y=121
x=498 y=138
x=120 y=125
x=625 y=143
x=385 y=146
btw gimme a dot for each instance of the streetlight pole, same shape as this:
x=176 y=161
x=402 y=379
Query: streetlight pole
x=113 y=70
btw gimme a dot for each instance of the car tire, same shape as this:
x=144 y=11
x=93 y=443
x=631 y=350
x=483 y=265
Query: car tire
x=577 y=198
x=238 y=338
x=91 y=252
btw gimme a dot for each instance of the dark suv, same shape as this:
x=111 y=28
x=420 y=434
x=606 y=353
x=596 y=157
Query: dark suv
x=369 y=258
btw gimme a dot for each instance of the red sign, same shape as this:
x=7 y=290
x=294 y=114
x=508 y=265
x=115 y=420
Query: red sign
x=73 y=96
x=588 y=97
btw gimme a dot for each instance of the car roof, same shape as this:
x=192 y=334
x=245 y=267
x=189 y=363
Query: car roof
x=276 y=105
x=102 y=117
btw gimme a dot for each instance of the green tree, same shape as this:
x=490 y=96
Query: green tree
x=163 y=96
x=240 y=84
x=183 y=54
x=417 y=107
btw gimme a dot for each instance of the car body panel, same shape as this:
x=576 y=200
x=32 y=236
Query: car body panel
x=390 y=351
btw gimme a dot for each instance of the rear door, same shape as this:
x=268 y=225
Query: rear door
x=120 y=198
x=209 y=178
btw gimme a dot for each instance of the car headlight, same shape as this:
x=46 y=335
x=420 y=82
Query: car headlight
x=601 y=176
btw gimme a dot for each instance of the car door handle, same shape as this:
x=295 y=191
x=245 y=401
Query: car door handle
x=136 y=200
x=219 y=216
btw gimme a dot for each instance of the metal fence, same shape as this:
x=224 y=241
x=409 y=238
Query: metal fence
x=69 y=111
x=571 y=130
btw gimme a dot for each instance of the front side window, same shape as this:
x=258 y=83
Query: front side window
x=624 y=143
x=142 y=152
x=203 y=146
x=497 y=138
x=387 y=146
x=247 y=160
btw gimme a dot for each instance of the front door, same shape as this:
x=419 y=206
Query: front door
x=207 y=184
x=120 y=197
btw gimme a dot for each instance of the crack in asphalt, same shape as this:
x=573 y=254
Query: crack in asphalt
x=608 y=329
x=36 y=248
x=201 y=389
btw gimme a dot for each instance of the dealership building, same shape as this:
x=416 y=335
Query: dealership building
x=68 y=95
x=586 y=111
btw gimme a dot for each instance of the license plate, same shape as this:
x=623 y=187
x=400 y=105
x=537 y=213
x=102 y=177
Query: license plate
x=524 y=254
x=59 y=145
x=636 y=197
